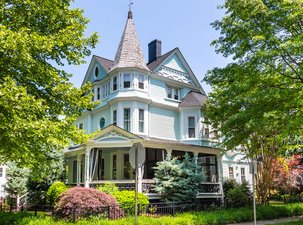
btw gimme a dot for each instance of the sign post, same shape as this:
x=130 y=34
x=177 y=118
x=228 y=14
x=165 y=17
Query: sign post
x=136 y=159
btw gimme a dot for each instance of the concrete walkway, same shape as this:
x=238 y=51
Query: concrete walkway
x=281 y=220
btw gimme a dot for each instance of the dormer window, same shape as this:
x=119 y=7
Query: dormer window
x=98 y=93
x=141 y=81
x=172 y=93
x=126 y=80
x=96 y=71
x=114 y=83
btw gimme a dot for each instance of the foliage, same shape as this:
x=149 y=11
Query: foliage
x=86 y=200
x=178 y=180
x=127 y=200
x=43 y=175
x=257 y=99
x=289 y=177
x=54 y=192
x=108 y=187
x=238 y=195
x=38 y=102
x=217 y=217
x=16 y=179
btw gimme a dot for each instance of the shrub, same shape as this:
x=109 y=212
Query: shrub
x=108 y=188
x=237 y=195
x=87 y=201
x=127 y=200
x=54 y=191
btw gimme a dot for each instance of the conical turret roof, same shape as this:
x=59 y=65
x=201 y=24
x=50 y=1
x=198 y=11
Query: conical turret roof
x=129 y=53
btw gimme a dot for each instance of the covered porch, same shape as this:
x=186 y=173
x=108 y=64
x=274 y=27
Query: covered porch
x=105 y=158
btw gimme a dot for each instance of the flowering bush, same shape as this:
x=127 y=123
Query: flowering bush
x=79 y=202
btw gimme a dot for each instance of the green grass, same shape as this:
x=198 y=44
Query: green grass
x=216 y=217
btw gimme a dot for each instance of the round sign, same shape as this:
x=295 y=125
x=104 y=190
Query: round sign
x=137 y=147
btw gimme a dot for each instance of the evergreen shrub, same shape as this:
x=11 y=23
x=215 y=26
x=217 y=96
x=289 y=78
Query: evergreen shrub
x=237 y=195
x=54 y=192
x=87 y=201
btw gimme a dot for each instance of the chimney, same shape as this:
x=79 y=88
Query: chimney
x=154 y=50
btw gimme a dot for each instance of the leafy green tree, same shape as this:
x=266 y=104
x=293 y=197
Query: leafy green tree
x=178 y=180
x=257 y=99
x=38 y=103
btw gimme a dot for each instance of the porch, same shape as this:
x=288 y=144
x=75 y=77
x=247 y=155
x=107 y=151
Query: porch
x=106 y=159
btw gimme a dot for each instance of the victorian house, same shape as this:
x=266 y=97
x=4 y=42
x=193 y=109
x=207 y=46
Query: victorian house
x=158 y=103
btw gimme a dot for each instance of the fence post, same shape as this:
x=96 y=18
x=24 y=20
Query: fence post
x=74 y=214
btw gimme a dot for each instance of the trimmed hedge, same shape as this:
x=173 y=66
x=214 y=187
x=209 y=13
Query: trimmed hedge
x=54 y=192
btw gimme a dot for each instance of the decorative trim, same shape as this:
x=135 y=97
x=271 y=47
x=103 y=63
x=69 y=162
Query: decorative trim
x=175 y=75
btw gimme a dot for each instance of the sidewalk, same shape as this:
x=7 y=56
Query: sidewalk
x=281 y=220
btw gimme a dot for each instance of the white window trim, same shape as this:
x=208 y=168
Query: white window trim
x=187 y=127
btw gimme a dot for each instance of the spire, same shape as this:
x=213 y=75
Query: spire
x=129 y=53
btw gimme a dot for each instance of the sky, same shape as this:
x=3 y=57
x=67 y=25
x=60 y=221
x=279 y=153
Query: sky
x=183 y=24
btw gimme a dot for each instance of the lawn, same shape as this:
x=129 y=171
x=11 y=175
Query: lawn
x=216 y=217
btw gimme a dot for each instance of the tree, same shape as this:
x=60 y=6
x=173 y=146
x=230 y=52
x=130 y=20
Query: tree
x=257 y=99
x=289 y=177
x=178 y=180
x=16 y=181
x=38 y=104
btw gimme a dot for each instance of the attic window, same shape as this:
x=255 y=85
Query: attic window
x=96 y=71
x=172 y=93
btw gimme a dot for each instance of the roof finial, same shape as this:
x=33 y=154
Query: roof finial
x=130 y=14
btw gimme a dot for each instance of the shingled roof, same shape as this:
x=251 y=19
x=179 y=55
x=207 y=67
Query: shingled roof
x=193 y=99
x=129 y=53
x=106 y=63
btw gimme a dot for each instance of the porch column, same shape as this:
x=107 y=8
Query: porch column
x=78 y=170
x=196 y=159
x=86 y=174
x=169 y=152
x=220 y=174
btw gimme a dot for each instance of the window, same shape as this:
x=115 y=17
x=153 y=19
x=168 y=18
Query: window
x=102 y=122
x=114 y=167
x=191 y=127
x=141 y=120
x=128 y=169
x=141 y=81
x=126 y=81
x=81 y=126
x=98 y=93
x=209 y=167
x=231 y=172
x=1 y=171
x=243 y=175
x=172 y=93
x=114 y=83
x=93 y=95
x=96 y=72
x=127 y=119
x=206 y=133
x=115 y=117
x=75 y=172
x=169 y=92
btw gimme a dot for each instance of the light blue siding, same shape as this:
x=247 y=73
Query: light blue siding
x=175 y=63
x=164 y=123
x=96 y=119
x=102 y=73
x=157 y=89
x=184 y=92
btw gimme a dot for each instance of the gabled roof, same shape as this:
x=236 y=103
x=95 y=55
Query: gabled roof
x=154 y=64
x=106 y=63
x=129 y=53
x=193 y=99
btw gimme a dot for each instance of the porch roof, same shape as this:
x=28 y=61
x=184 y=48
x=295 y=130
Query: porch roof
x=114 y=136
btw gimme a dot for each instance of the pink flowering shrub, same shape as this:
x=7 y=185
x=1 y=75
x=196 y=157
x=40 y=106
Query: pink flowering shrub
x=80 y=202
